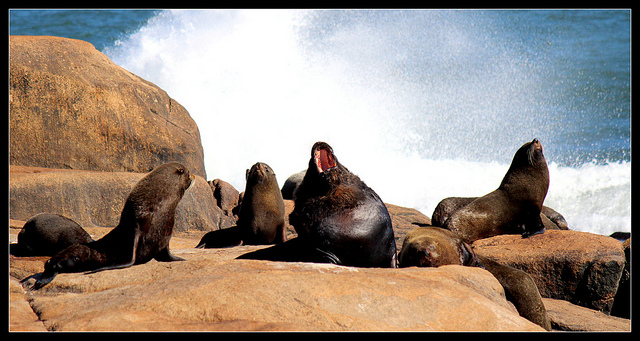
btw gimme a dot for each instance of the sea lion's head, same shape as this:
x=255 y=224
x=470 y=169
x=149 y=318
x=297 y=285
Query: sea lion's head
x=324 y=165
x=434 y=246
x=259 y=173
x=528 y=175
x=324 y=172
x=534 y=152
x=173 y=174
x=165 y=185
x=531 y=154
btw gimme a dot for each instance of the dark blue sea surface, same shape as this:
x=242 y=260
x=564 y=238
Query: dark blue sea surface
x=99 y=27
x=444 y=96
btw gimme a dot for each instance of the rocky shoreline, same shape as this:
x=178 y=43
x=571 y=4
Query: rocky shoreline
x=83 y=131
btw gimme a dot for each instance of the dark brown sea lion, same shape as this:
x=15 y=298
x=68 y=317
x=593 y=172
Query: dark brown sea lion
x=46 y=234
x=261 y=216
x=445 y=208
x=144 y=231
x=431 y=246
x=513 y=208
x=338 y=219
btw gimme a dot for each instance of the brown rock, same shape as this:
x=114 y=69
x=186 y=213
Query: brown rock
x=405 y=219
x=97 y=198
x=226 y=195
x=22 y=317
x=622 y=301
x=579 y=267
x=73 y=108
x=570 y=317
x=213 y=291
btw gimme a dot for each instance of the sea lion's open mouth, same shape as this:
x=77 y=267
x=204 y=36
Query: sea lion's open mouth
x=324 y=160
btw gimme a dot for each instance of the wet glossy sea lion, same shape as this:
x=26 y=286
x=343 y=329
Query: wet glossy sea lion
x=338 y=219
x=551 y=219
x=143 y=233
x=261 y=216
x=46 y=234
x=513 y=208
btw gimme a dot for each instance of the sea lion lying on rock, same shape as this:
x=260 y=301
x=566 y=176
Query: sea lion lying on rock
x=551 y=219
x=46 y=234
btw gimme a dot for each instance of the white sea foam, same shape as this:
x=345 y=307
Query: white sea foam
x=260 y=93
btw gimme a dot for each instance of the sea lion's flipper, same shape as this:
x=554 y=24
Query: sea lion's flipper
x=166 y=256
x=40 y=280
x=221 y=238
x=533 y=227
x=294 y=250
x=285 y=252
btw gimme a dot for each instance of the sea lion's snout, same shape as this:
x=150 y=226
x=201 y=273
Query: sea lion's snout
x=536 y=144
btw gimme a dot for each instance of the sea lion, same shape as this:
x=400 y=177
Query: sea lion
x=46 y=234
x=550 y=218
x=513 y=208
x=431 y=246
x=143 y=233
x=291 y=185
x=338 y=218
x=621 y=236
x=521 y=290
x=261 y=215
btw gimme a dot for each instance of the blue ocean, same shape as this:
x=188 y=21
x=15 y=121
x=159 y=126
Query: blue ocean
x=421 y=104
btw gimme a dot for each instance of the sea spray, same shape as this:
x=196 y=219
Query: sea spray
x=422 y=105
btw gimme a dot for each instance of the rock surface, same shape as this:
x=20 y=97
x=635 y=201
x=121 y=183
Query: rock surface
x=213 y=291
x=579 y=267
x=97 y=198
x=570 y=317
x=73 y=108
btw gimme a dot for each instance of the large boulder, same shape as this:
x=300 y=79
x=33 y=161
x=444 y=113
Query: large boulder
x=70 y=107
x=570 y=317
x=97 y=198
x=580 y=267
x=622 y=301
x=212 y=290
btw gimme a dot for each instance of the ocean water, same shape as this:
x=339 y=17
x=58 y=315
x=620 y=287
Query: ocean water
x=421 y=104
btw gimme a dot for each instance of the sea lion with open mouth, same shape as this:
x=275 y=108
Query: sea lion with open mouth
x=338 y=218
